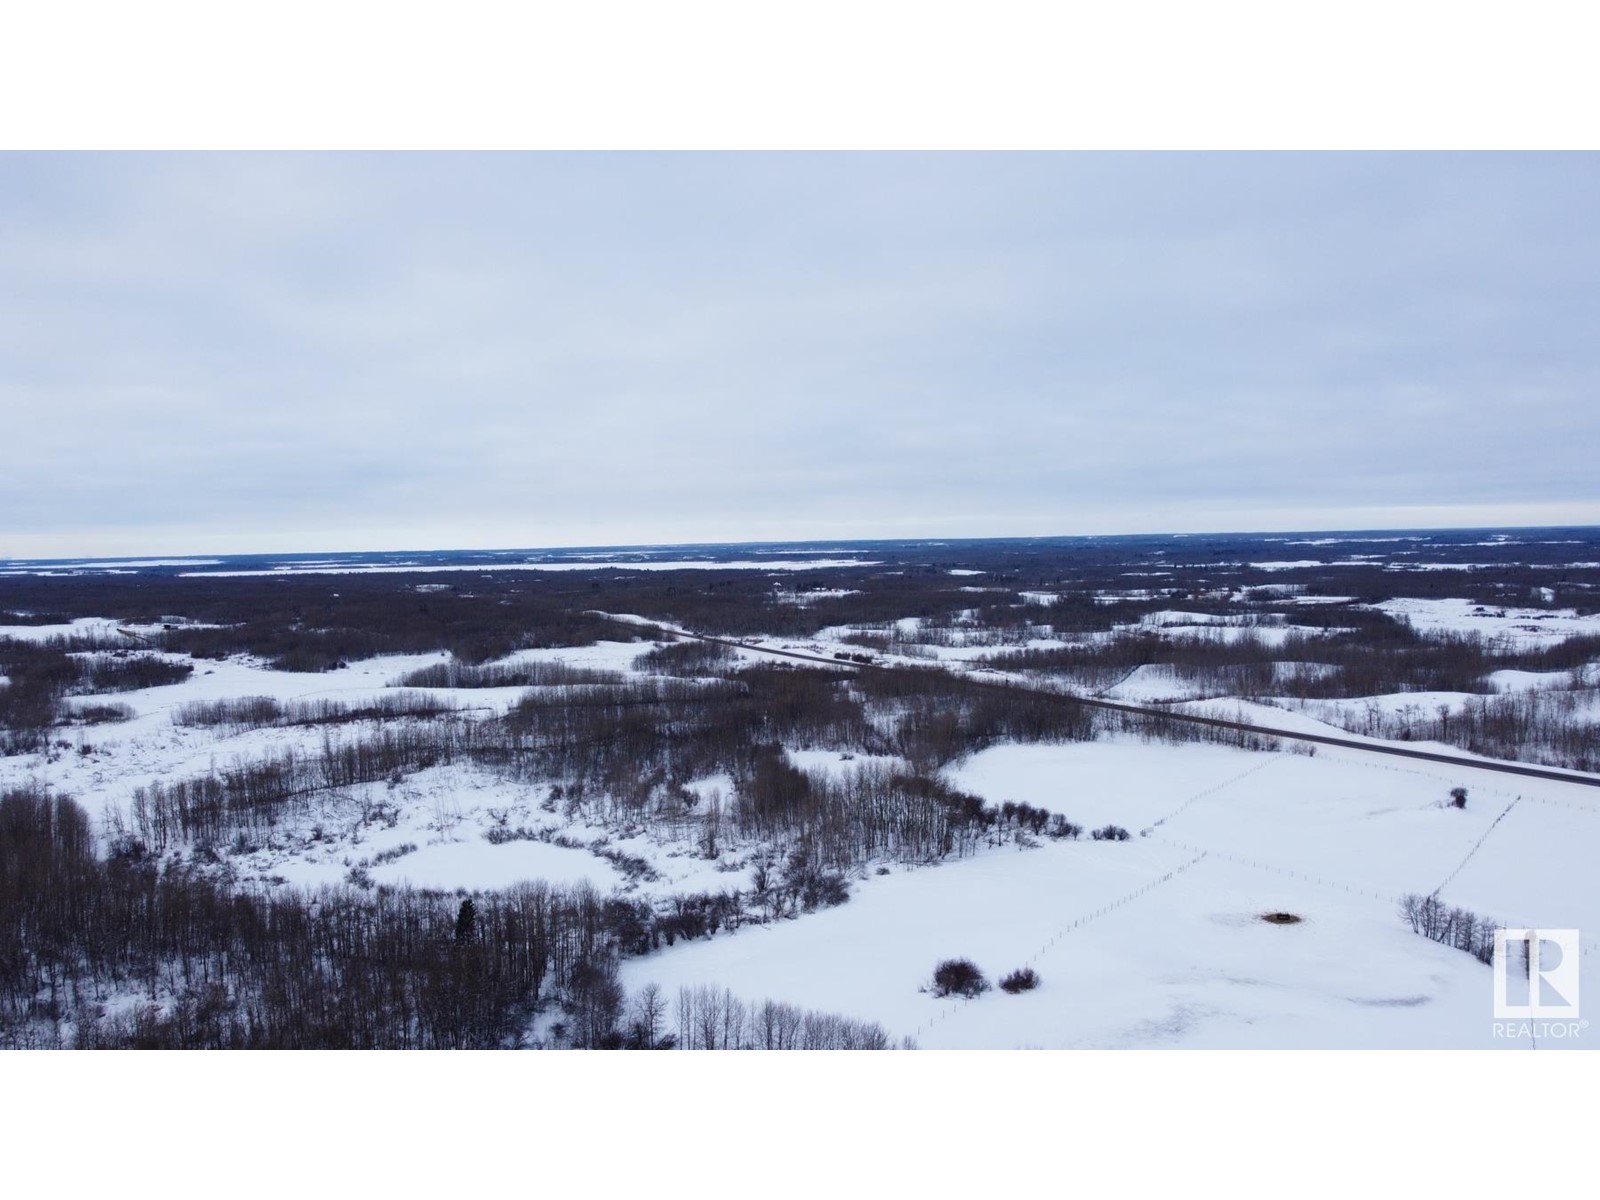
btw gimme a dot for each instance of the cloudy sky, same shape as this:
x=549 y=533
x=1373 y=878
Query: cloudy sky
x=236 y=353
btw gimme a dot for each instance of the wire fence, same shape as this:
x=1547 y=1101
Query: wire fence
x=958 y=1003
x=1213 y=790
x=1454 y=781
x=1476 y=846
x=1588 y=946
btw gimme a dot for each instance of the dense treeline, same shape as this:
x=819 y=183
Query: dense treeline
x=1380 y=658
x=41 y=675
x=482 y=615
x=248 y=799
x=124 y=672
x=1455 y=927
x=629 y=762
x=715 y=1019
x=126 y=952
x=310 y=622
x=624 y=755
x=261 y=712
x=1557 y=727
x=687 y=658
x=119 y=952
x=457 y=674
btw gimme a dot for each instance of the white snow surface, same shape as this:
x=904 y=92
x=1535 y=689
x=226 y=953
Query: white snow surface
x=478 y=863
x=1152 y=942
x=82 y=627
x=1520 y=627
x=836 y=763
x=1157 y=942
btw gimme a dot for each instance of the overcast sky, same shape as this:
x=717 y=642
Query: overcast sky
x=237 y=353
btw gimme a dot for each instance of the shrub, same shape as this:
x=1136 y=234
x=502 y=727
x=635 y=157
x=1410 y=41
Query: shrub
x=393 y=855
x=457 y=674
x=959 y=977
x=686 y=658
x=113 y=673
x=1024 y=979
x=1060 y=827
x=242 y=712
x=102 y=714
x=1458 y=797
x=1110 y=833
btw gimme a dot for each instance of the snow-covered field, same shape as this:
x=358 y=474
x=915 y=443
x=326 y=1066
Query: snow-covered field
x=1158 y=941
x=1155 y=941
x=82 y=627
x=1523 y=627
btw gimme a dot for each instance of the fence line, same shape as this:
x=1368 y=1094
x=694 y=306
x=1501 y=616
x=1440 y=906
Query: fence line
x=1213 y=790
x=957 y=1005
x=1476 y=846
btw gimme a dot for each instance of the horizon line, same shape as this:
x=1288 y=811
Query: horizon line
x=154 y=558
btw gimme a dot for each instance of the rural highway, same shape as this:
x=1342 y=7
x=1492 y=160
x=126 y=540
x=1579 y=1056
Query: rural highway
x=1498 y=765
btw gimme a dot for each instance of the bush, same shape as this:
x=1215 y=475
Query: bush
x=959 y=977
x=101 y=714
x=1060 y=827
x=1110 y=833
x=457 y=674
x=1023 y=980
x=686 y=658
x=242 y=712
x=114 y=673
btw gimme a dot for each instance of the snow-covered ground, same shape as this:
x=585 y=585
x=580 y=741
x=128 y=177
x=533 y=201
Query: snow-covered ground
x=784 y=596
x=1262 y=629
x=82 y=627
x=835 y=762
x=1366 y=713
x=1527 y=628
x=150 y=747
x=1154 y=683
x=445 y=813
x=1158 y=941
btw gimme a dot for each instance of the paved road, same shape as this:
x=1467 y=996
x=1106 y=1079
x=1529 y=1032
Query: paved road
x=1498 y=765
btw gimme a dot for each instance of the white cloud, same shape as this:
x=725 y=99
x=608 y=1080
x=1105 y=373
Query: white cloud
x=212 y=353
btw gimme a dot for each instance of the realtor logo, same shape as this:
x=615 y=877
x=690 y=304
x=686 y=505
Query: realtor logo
x=1535 y=974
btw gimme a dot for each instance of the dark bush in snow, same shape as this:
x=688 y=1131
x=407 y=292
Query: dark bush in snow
x=457 y=674
x=101 y=714
x=958 y=977
x=124 y=673
x=1110 y=833
x=1060 y=827
x=686 y=658
x=1024 y=817
x=1025 y=979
